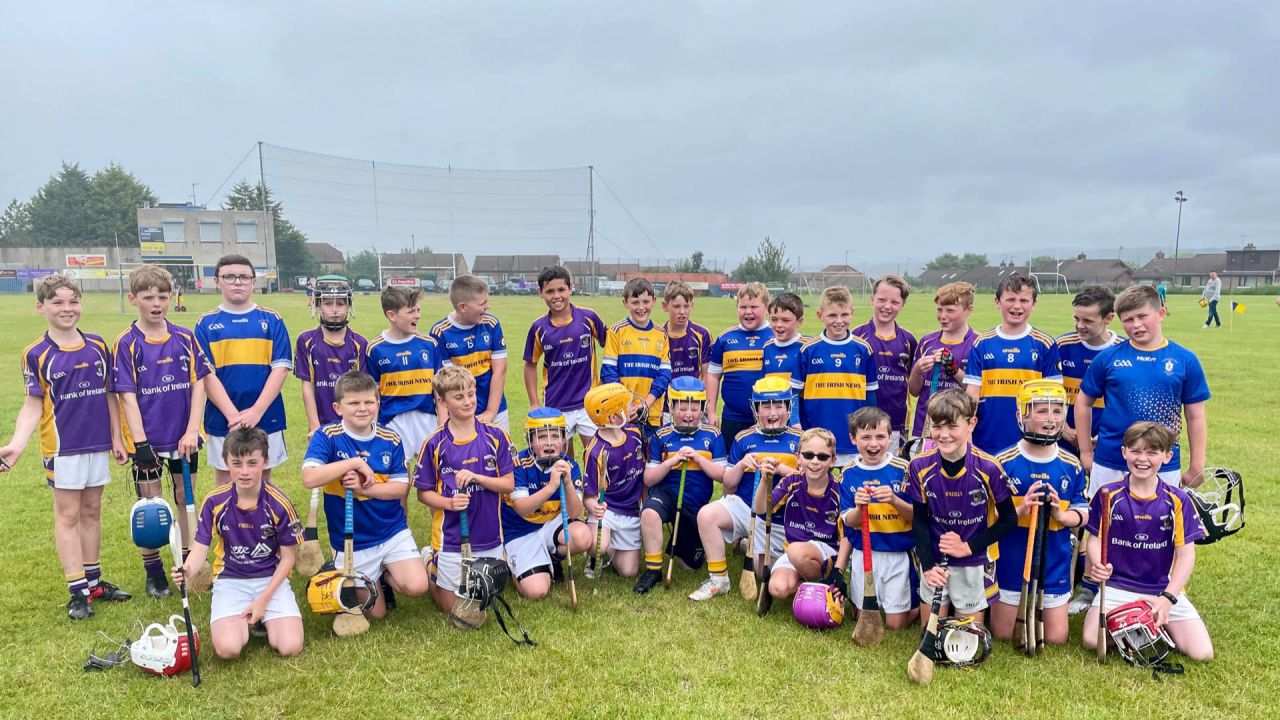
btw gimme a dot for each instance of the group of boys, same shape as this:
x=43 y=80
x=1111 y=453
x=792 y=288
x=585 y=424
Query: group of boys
x=429 y=409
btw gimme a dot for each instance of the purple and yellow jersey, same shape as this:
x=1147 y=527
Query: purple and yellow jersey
x=160 y=374
x=405 y=370
x=375 y=520
x=835 y=378
x=619 y=469
x=929 y=344
x=244 y=347
x=1064 y=473
x=1075 y=356
x=737 y=356
x=705 y=440
x=893 y=363
x=568 y=354
x=998 y=366
x=782 y=447
x=690 y=351
x=321 y=363
x=245 y=543
x=805 y=516
x=1144 y=532
x=487 y=451
x=640 y=359
x=474 y=347
x=71 y=383
x=529 y=479
x=1138 y=385
x=964 y=504
x=890 y=532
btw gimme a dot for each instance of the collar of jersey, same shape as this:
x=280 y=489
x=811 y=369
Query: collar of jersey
x=1002 y=336
x=568 y=322
x=633 y=324
x=666 y=327
x=845 y=341
x=787 y=343
x=1043 y=461
x=225 y=309
x=453 y=320
x=1164 y=343
x=373 y=432
x=857 y=461
x=167 y=334
x=944 y=341
x=1112 y=338
x=393 y=341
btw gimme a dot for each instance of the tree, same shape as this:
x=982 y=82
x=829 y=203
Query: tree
x=951 y=261
x=768 y=265
x=692 y=265
x=363 y=264
x=61 y=213
x=114 y=198
x=15 y=225
x=292 y=257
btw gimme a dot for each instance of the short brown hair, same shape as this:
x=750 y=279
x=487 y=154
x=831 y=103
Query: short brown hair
x=951 y=406
x=788 y=301
x=1095 y=296
x=753 y=290
x=1136 y=296
x=1017 y=282
x=892 y=281
x=396 y=298
x=868 y=418
x=1152 y=435
x=150 y=277
x=354 y=381
x=245 y=441
x=677 y=289
x=955 y=293
x=233 y=259
x=636 y=287
x=822 y=434
x=836 y=295
x=49 y=285
x=465 y=288
x=451 y=378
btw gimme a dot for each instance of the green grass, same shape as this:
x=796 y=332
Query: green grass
x=623 y=655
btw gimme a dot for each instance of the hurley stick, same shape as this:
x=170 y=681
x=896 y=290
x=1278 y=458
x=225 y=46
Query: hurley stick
x=310 y=556
x=920 y=667
x=870 y=627
x=675 y=527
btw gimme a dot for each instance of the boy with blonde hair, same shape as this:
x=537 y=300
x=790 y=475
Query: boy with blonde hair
x=954 y=304
x=472 y=339
x=737 y=362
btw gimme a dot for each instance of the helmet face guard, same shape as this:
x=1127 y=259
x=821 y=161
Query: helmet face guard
x=1035 y=392
x=605 y=401
x=1137 y=638
x=543 y=424
x=769 y=391
x=961 y=643
x=332 y=287
x=685 y=390
x=1219 y=503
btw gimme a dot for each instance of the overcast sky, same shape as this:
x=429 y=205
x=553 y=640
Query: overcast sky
x=895 y=131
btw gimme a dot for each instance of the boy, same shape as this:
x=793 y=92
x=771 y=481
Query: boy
x=1004 y=358
x=249 y=348
x=1092 y=309
x=782 y=351
x=326 y=352
x=836 y=374
x=565 y=339
x=471 y=338
x=1143 y=378
x=637 y=354
x=956 y=490
x=465 y=467
x=1040 y=470
x=355 y=453
x=67 y=373
x=532 y=523
x=689 y=342
x=614 y=460
x=687 y=454
x=893 y=347
x=157 y=373
x=875 y=483
x=250 y=526
x=767 y=448
x=809 y=502
x=954 y=304
x=1151 y=542
x=737 y=362
x=405 y=364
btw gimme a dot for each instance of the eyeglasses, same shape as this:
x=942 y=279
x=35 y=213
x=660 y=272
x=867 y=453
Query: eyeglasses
x=821 y=457
x=236 y=279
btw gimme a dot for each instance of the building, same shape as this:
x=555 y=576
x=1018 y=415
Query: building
x=699 y=283
x=329 y=258
x=1082 y=270
x=513 y=267
x=1193 y=270
x=1250 y=267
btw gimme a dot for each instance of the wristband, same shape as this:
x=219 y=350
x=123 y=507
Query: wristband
x=1173 y=599
x=1079 y=518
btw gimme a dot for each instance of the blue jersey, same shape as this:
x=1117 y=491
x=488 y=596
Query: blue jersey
x=999 y=365
x=890 y=532
x=405 y=370
x=1075 y=356
x=640 y=359
x=474 y=347
x=835 y=378
x=529 y=479
x=706 y=441
x=375 y=520
x=737 y=356
x=244 y=347
x=1064 y=473
x=781 y=360
x=1138 y=385
x=782 y=447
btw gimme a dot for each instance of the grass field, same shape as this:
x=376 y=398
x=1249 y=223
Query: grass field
x=622 y=655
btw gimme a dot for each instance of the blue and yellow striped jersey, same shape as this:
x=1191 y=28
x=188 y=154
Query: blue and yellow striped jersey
x=640 y=359
x=890 y=532
x=835 y=378
x=705 y=441
x=405 y=370
x=244 y=347
x=737 y=356
x=474 y=347
x=999 y=365
x=1075 y=356
x=375 y=520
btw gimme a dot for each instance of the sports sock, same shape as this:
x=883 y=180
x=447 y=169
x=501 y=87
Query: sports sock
x=718 y=568
x=1091 y=586
x=152 y=564
x=92 y=572
x=76 y=584
x=653 y=561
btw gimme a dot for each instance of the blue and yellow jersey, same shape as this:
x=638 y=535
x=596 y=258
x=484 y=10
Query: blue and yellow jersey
x=890 y=532
x=375 y=521
x=835 y=378
x=405 y=370
x=705 y=441
x=1064 y=474
x=529 y=479
x=1075 y=356
x=782 y=447
x=737 y=356
x=999 y=365
x=781 y=360
x=474 y=347
x=244 y=347
x=640 y=359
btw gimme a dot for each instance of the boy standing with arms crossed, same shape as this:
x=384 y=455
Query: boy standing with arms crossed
x=894 y=349
x=737 y=362
x=565 y=339
x=472 y=339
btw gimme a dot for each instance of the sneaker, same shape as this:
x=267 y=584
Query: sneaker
x=710 y=588
x=258 y=629
x=78 y=607
x=158 y=587
x=1205 y=326
x=557 y=572
x=108 y=592
x=647 y=580
x=1080 y=602
x=388 y=595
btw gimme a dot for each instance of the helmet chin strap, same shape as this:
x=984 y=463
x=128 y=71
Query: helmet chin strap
x=1039 y=439
x=334 y=326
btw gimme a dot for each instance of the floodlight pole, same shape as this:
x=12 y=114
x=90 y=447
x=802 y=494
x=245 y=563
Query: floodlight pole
x=1179 y=198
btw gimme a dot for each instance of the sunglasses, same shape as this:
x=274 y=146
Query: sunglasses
x=821 y=457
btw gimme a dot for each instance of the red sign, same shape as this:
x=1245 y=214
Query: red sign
x=86 y=261
x=732 y=286
x=402 y=282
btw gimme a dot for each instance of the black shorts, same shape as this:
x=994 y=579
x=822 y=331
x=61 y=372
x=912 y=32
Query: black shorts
x=175 y=466
x=729 y=429
x=662 y=500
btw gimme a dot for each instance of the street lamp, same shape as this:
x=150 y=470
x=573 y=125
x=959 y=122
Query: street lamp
x=1180 y=198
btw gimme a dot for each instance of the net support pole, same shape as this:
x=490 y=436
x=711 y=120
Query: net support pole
x=268 y=222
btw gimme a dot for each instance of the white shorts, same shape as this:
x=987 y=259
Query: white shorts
x=624 y=532
x=778 y=541
x=1182 y=610
x=740 y=516
x=578 y=421
x=782 y=561
x=413 y=427
x=232 y=596
x=892 y=574
x=276 y=452
x=1101 y=475
x=1051 y=600
x=78 y=472
x=372 y=560
x=446 y=567
x=502 y=420
x=895 y=444
x=968 y=589
x=530 y=551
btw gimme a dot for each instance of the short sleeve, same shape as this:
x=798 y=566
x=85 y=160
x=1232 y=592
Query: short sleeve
x=521 y=489
x=705 y=355
x=1095 y=512
x=319 y=449
x=426 y=477
x=1095 y=377
x=736 y=452
x=715 y=364
x=506 y=457
x=532 y=346
x=362 y=353
x=780 y=493
x=285 y=518
x=915 y=486
x=593 y=457
x=370 y=366
x=1076 y=499
x=204 y=526
x=1195 y=389
x=302 y=366
x=199 y=361
x=399 y=470
x=499 y=348
x=1050 y=363
x=973 y=370
x=717 y=447
x=281 y=352
x=576 y=475
x=655 y=450
x=202 y=339
x=1192 y=528
x=123 y=367
x=847 y=490
x=872 y=373
x=1001 y=488
x=31 y=373
x=598 y=328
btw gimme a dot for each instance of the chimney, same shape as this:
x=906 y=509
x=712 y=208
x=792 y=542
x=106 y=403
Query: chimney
x=1250 y=246
x=1159 y=255
x=1080 y=256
